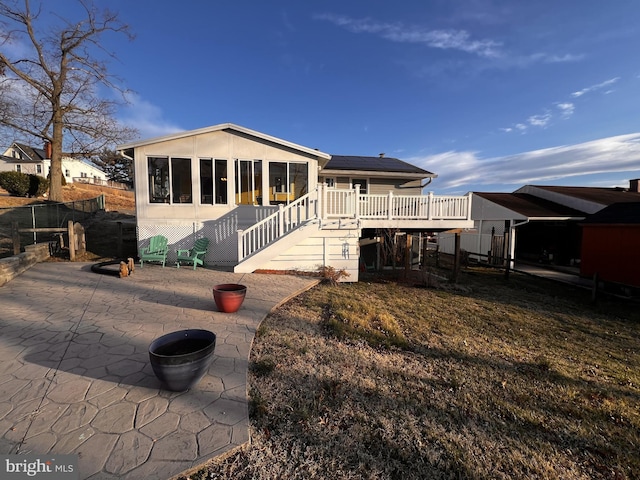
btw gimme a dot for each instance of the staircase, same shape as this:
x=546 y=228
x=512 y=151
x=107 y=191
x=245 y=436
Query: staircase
x=261 y=242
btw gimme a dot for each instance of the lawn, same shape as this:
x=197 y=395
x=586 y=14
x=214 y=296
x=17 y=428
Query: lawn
x=496 y=379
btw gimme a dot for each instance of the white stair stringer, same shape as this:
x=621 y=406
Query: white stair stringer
x=275 y=248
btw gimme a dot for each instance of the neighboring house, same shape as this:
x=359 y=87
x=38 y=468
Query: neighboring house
x=267 y=203
x=23 y=158
x=539 y=224
x=610 y=240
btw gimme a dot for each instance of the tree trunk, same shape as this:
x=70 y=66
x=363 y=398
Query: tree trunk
x=55 y=180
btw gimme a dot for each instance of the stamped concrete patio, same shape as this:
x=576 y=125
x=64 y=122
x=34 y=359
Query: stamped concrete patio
x=75 y=376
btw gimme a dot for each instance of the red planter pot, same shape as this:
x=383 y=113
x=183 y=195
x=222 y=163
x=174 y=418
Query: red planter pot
x=229 y=296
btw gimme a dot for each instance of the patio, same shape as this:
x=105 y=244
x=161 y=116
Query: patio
x=75 y=376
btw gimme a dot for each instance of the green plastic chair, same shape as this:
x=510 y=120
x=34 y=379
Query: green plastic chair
x=194 y=255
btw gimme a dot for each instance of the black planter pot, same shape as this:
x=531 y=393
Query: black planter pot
x=180 y=359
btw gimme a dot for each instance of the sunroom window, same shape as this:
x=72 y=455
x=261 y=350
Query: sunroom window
x=213 y=181
x=287 y=181
x=169 y=180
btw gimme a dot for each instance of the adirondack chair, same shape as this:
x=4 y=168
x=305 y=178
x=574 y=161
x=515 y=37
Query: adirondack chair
x=156 y=251
x=195 y=255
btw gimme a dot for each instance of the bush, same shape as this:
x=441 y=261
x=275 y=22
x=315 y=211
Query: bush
x=16 y=183
x=37 y=185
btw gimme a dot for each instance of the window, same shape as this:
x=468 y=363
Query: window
x=39 y=169
x=249 y=182
x=169 y=180
x=213 y=184
x=18 y=168
x=330 y=182
x=158 y=169
x=363 y=184
x=181 y=180
x=287 y=181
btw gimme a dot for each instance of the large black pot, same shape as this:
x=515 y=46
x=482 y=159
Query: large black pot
x=180 y=359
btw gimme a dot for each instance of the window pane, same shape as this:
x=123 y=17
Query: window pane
x=298 y=185
x=277 y=182
x=158 y=169
x=221 y=181
x=206 y=181
x=181 y=180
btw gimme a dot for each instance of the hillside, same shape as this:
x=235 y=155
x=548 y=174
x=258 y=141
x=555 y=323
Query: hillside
x=115 y=200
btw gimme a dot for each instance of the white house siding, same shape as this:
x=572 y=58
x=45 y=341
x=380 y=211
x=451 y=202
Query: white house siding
x=339 y=249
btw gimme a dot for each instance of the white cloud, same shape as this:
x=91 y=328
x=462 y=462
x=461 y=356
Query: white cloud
x=397 y=32
x=146 y=117
x=566 y=109
x=539 y=120
x=467 y=169
x=595 y=87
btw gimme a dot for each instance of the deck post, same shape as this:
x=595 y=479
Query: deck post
x=322 y=200
x=355 y=205
x=240 y=249
x=430 y=206
x=280 y=220
x=390 y=205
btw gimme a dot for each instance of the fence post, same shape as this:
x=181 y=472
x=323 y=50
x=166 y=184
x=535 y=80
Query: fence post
x=72 y=241
x=15 y=234
x=507 y=268
x=456 y=259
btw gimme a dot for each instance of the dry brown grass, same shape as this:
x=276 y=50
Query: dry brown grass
x=524 y=379
x=115 y=200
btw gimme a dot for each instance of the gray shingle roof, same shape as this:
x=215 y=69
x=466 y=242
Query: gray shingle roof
x=530 y=205
x=373 y=164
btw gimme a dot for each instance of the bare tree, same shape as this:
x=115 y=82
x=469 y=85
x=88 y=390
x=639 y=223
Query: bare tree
x=49 y=80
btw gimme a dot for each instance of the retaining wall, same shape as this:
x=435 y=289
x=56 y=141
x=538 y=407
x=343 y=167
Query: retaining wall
x=11 y=267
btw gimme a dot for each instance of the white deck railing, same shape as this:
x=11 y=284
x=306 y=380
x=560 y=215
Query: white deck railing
x=338 y=203
x=331 y=203
x=287 y=218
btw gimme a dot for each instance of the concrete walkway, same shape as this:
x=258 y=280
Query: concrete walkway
x=75 y=375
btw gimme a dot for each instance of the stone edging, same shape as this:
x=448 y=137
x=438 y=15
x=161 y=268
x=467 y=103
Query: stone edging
x=11 y=267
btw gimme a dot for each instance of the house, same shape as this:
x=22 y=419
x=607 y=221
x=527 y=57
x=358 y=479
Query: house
x=610 y=240
x=541 y=224
x=267 y=203
x=23 y=158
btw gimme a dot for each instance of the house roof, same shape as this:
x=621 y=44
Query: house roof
x=221 y=127
x=33 y=154
x=345 y=164
x=600 y=195
x=531 y=206
x=617 y=213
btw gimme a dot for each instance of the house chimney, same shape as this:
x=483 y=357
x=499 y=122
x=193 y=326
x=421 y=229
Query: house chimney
x=47 y=150
x=381 y=155
x=634 y=185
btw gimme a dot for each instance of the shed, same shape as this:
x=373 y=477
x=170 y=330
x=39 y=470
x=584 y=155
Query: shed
x=610 y=240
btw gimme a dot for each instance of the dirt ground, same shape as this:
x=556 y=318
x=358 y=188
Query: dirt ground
x=101 y=230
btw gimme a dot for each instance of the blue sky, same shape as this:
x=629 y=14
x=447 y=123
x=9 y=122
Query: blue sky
x=490 y=95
